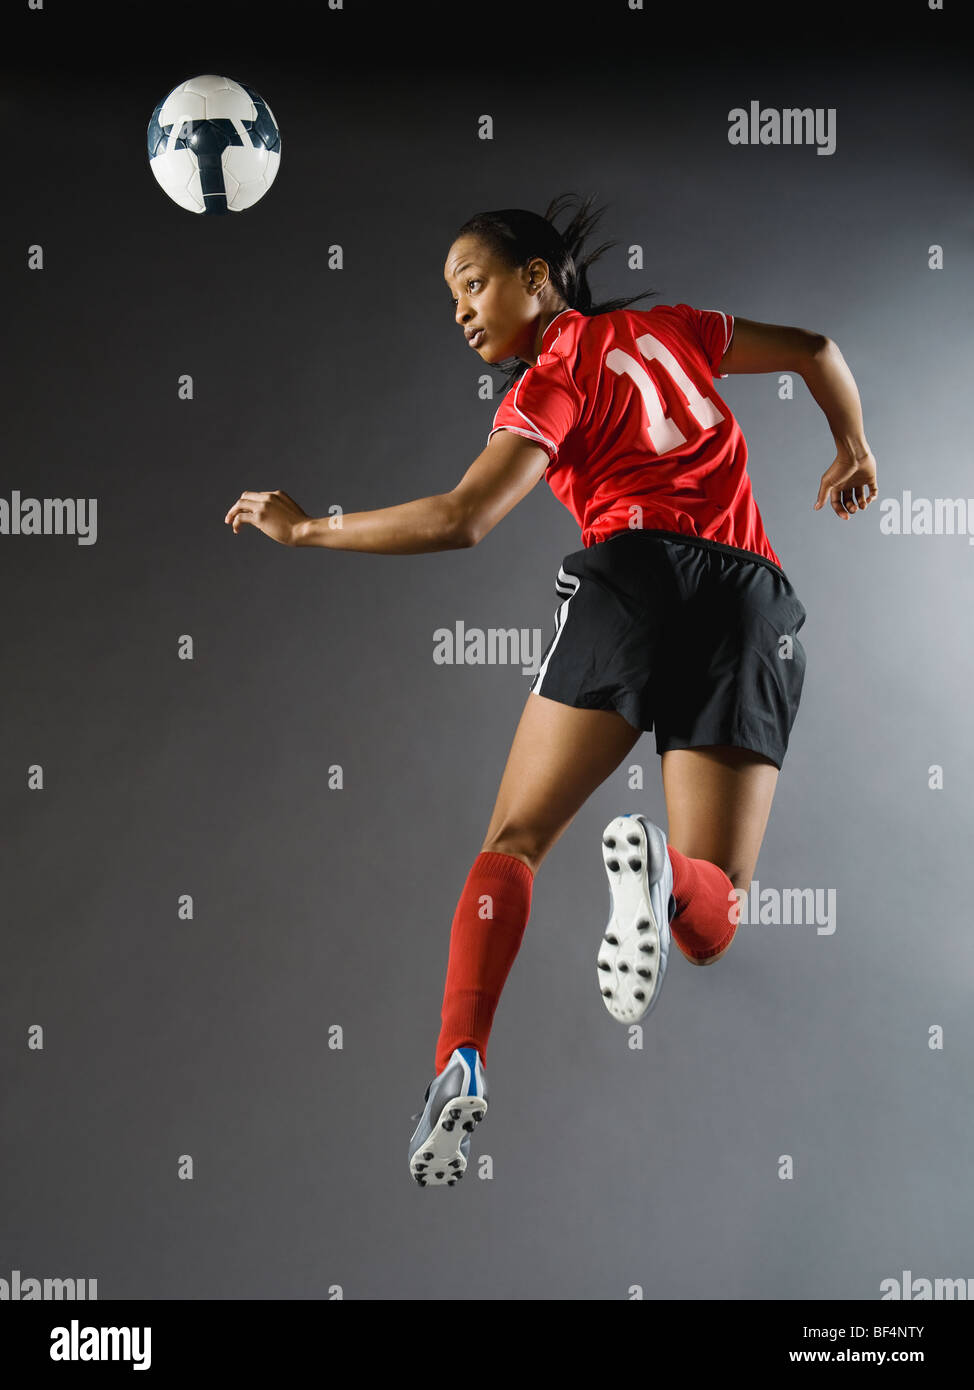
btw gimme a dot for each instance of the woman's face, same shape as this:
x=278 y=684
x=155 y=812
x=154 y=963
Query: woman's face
x=490 y=297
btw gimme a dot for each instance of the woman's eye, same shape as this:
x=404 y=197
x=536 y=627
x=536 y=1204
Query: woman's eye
x=469 y=283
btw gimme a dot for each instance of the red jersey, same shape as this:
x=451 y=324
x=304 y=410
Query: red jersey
x=624 y=406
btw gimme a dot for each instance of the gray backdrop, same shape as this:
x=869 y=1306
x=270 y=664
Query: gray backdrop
x=313 y=906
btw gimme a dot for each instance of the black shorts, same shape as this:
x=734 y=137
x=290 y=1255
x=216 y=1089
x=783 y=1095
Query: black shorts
x=687 y=635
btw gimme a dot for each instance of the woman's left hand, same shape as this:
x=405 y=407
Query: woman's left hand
x=274 y=513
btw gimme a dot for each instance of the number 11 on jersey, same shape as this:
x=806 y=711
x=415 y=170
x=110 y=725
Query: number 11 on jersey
x=664 y=433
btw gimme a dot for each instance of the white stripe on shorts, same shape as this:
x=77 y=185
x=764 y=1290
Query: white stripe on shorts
x=564 y=584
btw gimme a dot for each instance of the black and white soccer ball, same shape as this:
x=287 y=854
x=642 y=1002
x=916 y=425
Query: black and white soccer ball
x=214 y=145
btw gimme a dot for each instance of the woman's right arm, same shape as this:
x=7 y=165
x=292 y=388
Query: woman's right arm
x=772 y=347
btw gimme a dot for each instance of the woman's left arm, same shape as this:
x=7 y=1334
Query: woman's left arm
x=502 y=475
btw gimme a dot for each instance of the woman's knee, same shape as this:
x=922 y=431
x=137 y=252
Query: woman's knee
x=740 y=882
x=519 y=846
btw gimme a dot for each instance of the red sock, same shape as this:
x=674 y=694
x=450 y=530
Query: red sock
x=707 y=907
x=487 y=929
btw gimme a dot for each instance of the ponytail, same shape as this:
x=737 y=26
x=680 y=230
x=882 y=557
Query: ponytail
x=517 y=237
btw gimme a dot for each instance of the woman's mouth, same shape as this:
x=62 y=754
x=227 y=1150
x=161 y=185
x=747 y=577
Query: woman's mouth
x=477 y=338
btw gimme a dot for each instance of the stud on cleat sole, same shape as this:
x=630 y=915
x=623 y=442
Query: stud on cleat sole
x=640 y=884
x=442 y=1160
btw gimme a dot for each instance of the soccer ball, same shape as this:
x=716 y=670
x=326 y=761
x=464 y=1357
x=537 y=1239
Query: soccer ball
x=214 y=145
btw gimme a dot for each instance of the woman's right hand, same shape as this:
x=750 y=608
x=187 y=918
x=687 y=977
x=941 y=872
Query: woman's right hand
x=848 y=475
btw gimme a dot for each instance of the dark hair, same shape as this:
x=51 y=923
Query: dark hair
x=517 y=237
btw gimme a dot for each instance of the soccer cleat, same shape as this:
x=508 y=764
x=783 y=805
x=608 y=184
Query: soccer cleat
x=634 y=950
x=456 y=1101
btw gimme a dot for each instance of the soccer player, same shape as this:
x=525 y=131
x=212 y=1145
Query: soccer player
x=676 y=614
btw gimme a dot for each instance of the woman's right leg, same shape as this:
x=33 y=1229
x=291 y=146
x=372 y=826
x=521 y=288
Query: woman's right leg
x=718 y=799
x=559 y=756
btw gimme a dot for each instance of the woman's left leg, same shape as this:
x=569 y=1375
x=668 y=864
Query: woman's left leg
x=559 y=756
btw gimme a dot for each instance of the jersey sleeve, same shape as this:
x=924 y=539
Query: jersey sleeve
x=712 y=330
x=544 y=405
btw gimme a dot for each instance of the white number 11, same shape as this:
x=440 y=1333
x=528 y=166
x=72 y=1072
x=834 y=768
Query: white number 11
x=664 y=433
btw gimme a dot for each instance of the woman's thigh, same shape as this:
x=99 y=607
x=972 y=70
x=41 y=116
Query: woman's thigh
x=558 y=757
x=718 y=799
